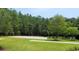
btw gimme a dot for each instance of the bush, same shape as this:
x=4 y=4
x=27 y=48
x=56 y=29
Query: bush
x=73 y=49
x=55 y=38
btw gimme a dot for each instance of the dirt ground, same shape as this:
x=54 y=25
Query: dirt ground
x=30 y=37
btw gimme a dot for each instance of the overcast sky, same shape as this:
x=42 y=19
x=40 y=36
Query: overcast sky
x=49 y=12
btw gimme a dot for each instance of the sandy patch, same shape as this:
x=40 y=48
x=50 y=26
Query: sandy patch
x=30 y=37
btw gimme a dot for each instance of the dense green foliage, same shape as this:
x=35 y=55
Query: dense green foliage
x=16 y=23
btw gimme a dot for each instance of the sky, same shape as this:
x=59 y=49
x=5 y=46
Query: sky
x=50 y=12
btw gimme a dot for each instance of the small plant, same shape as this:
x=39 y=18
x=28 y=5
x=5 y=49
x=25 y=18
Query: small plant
x=73 y=49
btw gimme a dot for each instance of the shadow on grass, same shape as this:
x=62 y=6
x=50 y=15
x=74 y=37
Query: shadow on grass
x=1 y=48
x=75 y=48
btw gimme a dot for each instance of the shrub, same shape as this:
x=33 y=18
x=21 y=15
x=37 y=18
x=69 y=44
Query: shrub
x=55 y=38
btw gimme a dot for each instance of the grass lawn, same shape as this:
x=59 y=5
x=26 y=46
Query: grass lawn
x=19 y=44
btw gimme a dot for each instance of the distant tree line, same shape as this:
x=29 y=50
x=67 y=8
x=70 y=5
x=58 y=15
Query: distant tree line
x=16 y=23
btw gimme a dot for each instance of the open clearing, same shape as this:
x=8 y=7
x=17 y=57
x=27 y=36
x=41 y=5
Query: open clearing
x=24 y=44
x=41 y=38
x=55 y=42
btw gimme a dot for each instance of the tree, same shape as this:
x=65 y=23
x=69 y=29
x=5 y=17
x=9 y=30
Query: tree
x=72 y=31
x=15 y=22
x=5 y=24
x=57 y=25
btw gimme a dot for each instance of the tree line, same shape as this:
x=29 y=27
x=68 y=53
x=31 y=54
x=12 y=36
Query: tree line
x=16 y=23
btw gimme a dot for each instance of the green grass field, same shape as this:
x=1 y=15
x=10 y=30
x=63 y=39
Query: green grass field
x=19 y=44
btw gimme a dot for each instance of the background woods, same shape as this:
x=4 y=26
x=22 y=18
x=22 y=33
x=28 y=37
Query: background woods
x=16 y=23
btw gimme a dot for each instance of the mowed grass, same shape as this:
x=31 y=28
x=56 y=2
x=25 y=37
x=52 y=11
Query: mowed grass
x=19 y=44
